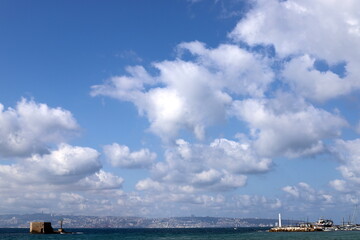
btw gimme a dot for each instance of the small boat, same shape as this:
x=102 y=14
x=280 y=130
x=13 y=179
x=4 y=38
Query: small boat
x=324 y=223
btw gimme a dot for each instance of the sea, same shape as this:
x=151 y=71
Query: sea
x=175 y=234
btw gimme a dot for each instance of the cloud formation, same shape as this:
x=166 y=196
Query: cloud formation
x=287 y=126
x=191 y=168
x=194 y=94
x=67 y=164
x=31 y=127
x=49 y=173
x=289 y=27
x=238 y=71
x=300 y=73
x=121 y=156
x=273 y=78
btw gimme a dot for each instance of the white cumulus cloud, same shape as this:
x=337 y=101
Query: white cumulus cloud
x=313 y=30
x=302 y=76
x=286 y=126
x=31 y=126
x=298 y=27
x=191 y=95
x=100 y=180
x=67 y=164
x=238 y=70
x=219 y=166
x=49 y=173
x=121 y=156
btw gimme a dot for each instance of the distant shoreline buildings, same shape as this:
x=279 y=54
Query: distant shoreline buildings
x=23 y=221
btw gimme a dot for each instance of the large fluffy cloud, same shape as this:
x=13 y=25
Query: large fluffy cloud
x=193 y=94
x=287 y=126
x=31 y=127
x=174 y=107
x=327 y=29
x=67 y=179
x=99 y=181
x=45 y=173
x=289 y=27
x=313 y=84
x=121 y=156
x=68 y=164
x=191 y=168
x=238 y=70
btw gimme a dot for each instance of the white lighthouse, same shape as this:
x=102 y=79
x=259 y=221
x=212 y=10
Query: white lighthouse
x=279 y=219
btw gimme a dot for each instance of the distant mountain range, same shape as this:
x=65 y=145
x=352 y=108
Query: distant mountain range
x=71 y=221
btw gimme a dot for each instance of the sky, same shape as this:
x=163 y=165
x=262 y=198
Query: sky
x=238 y=108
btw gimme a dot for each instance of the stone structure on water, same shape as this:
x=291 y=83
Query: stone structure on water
x=45 y=228
x=41 y=227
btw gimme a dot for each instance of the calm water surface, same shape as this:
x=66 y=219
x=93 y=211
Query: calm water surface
x=175 y=234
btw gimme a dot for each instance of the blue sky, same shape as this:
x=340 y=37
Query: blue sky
x=177 y=108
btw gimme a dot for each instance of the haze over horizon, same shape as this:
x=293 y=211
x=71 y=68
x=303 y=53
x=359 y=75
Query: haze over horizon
x=239 y=108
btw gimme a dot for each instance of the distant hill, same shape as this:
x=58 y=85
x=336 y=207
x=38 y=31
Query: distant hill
x=70 y=221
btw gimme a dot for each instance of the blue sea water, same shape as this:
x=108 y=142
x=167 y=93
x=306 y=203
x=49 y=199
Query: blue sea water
x=175 y=234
